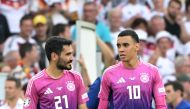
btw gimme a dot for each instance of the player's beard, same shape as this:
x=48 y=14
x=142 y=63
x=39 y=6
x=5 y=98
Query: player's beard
x=62 y=65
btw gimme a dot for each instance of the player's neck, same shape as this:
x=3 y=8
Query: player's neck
x=53 y=72
x=176 y=102
x=133 y=63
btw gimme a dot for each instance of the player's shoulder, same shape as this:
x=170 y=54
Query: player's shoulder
x=111 y=69
x=74 y=74
x=34 y=81
x=149 y=65
x=38 y=76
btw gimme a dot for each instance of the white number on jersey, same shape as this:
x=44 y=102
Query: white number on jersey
x=134 y=92
x=58 y=101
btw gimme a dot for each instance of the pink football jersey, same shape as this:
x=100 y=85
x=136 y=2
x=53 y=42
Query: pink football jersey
x=131 y=88
x=67 y=92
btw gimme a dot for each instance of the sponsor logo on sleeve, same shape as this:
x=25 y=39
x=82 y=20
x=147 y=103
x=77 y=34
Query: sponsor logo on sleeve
x=27 y=102
x=161 y=90
x=84 y=96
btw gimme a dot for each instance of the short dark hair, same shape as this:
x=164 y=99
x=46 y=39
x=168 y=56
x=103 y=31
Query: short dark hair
x=55 y=44
x=139 y=21
x=16 y=80
x=24 y=48
x=176 y=86
x=59 y=28
x=130 y=33
x=176 y=1
x=26 y=17
x=90 y=3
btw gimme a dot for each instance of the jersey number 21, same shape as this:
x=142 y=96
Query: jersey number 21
x=58 y=100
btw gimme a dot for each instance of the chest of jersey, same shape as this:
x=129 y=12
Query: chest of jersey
x=131 y=88
x=59 y=95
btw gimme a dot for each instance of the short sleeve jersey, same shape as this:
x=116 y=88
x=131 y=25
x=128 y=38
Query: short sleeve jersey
x=131 y=88
x=67 y=92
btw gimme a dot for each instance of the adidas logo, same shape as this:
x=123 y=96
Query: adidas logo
x=121 y=80
x=48 y=91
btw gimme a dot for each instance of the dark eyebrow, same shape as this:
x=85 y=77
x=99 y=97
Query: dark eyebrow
x=125 y=43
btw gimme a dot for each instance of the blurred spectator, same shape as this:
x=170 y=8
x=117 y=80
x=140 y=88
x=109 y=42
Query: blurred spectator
x=62 y=30
x=73 y=9
x=12 y=43
x=133 y=10
x=4 y=32
x=185 y=81
x=158 y=8
x=29 y=57
x=174 y=96
x=14 y=10
x=12 y=94
x=103 y=7
x=4 y=29
x=6 y=69
x=143 y=52
x=37 y=5
x=174 y=23
x=118 y=3
x=186 y=49
x=56 y=12
x=56 y=15
x=40 y=25
x=156 y=25
x=182 y=65
x=115 y=24
x=90 y=12
x=187 y=19
x=11 y=60
x=140 y=23
x=164 y=43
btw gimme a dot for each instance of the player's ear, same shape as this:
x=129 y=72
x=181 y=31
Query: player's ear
x=54 y=56
x=137 y=45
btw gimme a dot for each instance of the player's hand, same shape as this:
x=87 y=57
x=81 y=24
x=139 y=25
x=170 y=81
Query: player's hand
x=81 y=61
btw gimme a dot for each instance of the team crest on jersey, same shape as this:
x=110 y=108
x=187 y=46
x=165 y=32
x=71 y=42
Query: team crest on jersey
x=70 y=85
x=27 y=102
x=144 y=77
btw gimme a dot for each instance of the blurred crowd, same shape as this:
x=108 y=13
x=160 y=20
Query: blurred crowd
x=163 y=27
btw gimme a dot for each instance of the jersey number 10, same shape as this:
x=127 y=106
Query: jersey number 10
x=134 y=92
x=58 y=102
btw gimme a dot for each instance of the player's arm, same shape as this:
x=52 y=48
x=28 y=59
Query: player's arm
x=82 y=94
x=103 y=104
x=31 y=97
x=82 y=106
x=159 y=91
x=104 y=92
x=160 y=102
